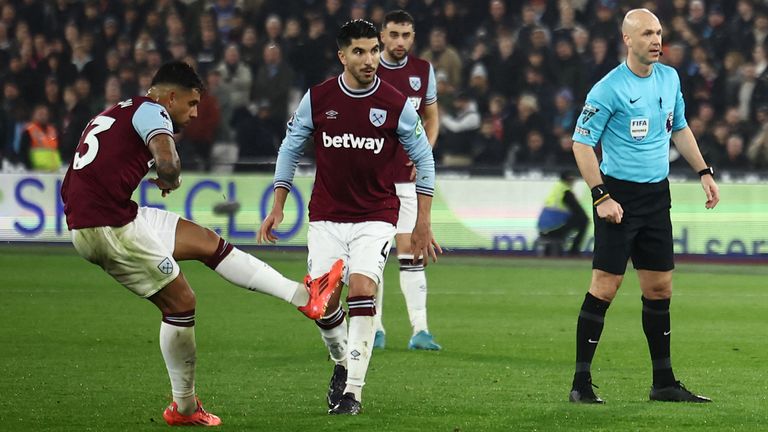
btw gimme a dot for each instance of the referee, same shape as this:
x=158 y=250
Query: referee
x=633 y=112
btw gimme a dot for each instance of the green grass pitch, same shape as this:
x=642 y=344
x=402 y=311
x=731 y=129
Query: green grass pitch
x=80 y=353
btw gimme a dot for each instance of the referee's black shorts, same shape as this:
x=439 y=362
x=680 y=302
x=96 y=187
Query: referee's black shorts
x=645 y=231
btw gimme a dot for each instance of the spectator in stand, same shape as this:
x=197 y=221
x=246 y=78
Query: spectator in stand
x=53 y=101
x=273 y=32
x=505 y=71
x=534 y=152
x=444 y=57
x=599 y=63
x=527 y=119
x=197 y=137
x=478 y=88
x=453 y=23
x=735 y=158
x=39 y=147
x=76 y=117
x=498 y=21
x=569 y=69
x=758 y=148
x=208 y=50
x=564 y=119
x=567 y=24
x=250 y=49
x=711 y=143
x=562 y=157
x=14 y=115
x=236 y=77
x=488 y=150
x=581 y=41
x=273 y=82
x=458 y=129
x=716 y=32
x=316 y=55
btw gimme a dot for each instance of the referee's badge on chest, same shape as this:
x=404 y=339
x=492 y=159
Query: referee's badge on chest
x=638 y=128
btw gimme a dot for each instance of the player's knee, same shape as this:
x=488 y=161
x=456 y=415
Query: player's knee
x=223 y=248
x=605 y=285
x=360 y=285
x=657 y=291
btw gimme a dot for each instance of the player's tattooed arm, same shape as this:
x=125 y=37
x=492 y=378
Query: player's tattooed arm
x=167 y=163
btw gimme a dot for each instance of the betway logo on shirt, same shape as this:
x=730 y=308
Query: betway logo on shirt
x=349 y=140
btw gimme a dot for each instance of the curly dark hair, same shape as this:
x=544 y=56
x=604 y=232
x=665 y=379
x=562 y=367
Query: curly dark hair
x=356 y=29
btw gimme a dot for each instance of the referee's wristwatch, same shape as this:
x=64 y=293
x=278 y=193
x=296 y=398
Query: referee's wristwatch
x=708 y=170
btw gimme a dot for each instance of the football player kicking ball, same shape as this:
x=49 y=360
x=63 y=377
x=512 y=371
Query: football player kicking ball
x=140 y=247
x=356 y=122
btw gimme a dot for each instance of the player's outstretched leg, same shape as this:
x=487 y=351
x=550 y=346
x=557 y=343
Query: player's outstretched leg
x=193 y=241
x=413 y=284
x=380 y=338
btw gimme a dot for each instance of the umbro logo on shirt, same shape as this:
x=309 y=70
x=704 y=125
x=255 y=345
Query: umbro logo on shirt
x=331 y=115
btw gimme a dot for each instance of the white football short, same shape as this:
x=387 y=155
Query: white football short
x=139 y=255
x=364 y=247
x=406 y=220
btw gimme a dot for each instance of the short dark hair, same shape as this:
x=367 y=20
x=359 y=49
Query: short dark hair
x=398 y=16
x=178 y=73
x=356 y=29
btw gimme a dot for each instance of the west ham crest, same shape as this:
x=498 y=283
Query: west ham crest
x=377 y=116
x=415 y=82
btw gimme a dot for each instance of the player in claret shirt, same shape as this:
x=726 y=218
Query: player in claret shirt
x=356 y=123
x=140 y=247
x=415 y=78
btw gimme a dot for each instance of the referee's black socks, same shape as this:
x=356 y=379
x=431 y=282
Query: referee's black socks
x=656 y=325
x=588 y=331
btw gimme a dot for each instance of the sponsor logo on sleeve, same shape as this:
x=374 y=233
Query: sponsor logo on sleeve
x=588 y=112
x=582 y=131
x=419 y=128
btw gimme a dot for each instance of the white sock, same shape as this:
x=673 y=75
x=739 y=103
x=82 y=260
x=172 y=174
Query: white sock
x=249 y=272
x=335 y=338
x=413 y=284
x=178 y=347
x=377 y=323
x=361 y=333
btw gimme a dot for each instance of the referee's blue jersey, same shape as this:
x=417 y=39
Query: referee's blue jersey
x=633 y=117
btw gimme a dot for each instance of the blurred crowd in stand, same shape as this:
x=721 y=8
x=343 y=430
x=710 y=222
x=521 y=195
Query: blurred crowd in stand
x=511 y=75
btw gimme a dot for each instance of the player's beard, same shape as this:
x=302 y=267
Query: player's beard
x=397 y=58
x=362 y=79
